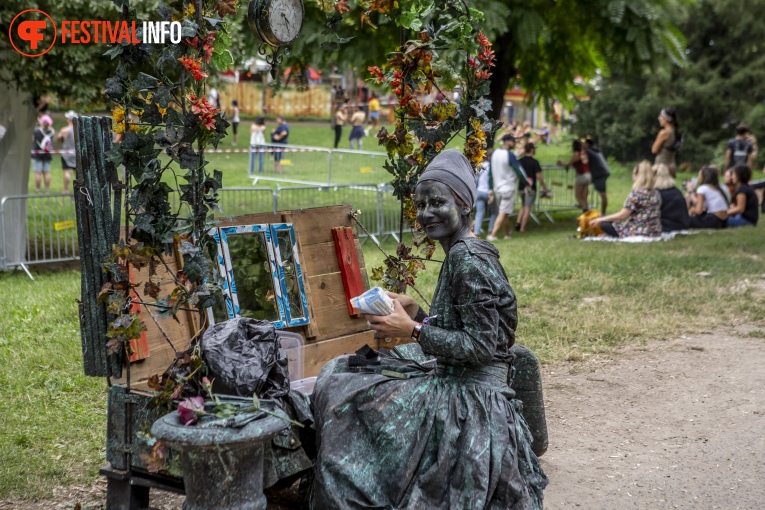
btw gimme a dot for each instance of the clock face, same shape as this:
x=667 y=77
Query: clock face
x=285 y=20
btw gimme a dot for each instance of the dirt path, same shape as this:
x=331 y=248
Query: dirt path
x=676 y=424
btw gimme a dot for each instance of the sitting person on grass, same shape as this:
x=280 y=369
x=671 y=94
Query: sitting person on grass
x=708 y=206
x=641 y=213
x=674 y=210
x=743 y=208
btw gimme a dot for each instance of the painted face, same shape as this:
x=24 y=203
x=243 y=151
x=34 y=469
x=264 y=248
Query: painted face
x=438 y=212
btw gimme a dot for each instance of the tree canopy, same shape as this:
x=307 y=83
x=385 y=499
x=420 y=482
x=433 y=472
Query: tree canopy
x=722 y=85
x=541 y=45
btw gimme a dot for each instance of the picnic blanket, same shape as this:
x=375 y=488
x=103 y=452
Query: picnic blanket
x=666 y=236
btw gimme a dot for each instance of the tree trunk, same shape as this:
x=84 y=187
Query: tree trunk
x=18 y=116
x=503 y=73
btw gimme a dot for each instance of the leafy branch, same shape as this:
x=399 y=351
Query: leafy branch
x=440 y=78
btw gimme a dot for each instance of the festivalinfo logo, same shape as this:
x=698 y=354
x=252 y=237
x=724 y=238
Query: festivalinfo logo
x=33 y=32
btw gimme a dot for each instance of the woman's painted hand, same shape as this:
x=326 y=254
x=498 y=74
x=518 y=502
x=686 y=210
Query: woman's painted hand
x=409 y=304
x=396 y=325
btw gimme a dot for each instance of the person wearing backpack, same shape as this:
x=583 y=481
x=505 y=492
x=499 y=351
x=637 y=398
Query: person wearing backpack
x=599 y=171
x=739 y=150
x=668 y=140
x=42 y=146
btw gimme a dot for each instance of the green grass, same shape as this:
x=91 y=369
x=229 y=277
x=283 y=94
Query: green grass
x=53 y=417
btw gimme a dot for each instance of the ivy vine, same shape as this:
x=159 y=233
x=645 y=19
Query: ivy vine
x=165 y=123
x=446 y=58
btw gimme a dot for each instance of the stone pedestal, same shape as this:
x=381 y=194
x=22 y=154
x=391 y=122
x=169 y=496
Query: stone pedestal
x=222 y=466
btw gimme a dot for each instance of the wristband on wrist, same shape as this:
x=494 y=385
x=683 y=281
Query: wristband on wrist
x=416 y=331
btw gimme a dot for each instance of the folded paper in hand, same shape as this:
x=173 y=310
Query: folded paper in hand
x=374 y=301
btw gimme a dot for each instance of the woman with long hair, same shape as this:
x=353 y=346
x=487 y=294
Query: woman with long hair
x=674 y=210
x=743 y=208
x=641 y=213
x=709 y=207
x=579 y=160
x=665 y=146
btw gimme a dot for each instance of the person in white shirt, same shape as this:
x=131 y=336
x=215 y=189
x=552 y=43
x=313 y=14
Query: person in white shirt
x=484 y=199
x=709 y=207
x=504 y=180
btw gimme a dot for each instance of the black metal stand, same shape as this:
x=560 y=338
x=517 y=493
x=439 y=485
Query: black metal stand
x=129 y=490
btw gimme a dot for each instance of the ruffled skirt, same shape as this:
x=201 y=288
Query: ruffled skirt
x=399 y=437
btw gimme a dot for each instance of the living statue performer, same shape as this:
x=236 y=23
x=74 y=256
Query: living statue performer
x=395 y=434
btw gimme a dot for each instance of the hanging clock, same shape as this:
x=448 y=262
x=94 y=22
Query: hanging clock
x=276 y=22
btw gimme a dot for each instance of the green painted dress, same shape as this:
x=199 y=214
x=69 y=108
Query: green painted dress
x=401 y=436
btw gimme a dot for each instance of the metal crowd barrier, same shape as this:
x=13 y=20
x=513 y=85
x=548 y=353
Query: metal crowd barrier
x=50 y=234
x=561 y=182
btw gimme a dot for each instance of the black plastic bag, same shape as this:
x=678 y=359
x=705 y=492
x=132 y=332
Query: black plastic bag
x=245 y=358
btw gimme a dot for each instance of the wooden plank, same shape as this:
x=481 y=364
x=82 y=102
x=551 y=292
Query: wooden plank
x=315 y=261
x=328 y=292
x=314 y=226
x=250 y=219
x=316 y=355
x=179 y=332
x=345 y=249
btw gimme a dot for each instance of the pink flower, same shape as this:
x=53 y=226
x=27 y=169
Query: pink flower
x=190 y=409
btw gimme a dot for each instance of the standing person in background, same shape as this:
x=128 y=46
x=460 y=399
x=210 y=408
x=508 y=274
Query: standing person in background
x=341 y=117
x=739 y=150
x=709 y=208
x=668 y=140
x=503 y=176
x=374 y=114
x=743 y=208
x=357 y=131
x=66 y=135
x=581 y=164
x=484 y=198
x=257 y=141
x=235 y=118
x=280 y=135
x=43 y=143
x=599 y=171
x=528 y=191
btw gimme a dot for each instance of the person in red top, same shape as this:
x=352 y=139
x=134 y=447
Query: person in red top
x=583 y=178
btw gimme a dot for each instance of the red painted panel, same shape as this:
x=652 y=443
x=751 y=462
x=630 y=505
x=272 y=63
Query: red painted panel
x=345 y=248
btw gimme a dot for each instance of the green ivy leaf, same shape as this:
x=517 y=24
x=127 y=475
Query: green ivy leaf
x=221 y=59
x=145 y=82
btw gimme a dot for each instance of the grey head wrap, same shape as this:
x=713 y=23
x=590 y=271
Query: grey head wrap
x=453 y=169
